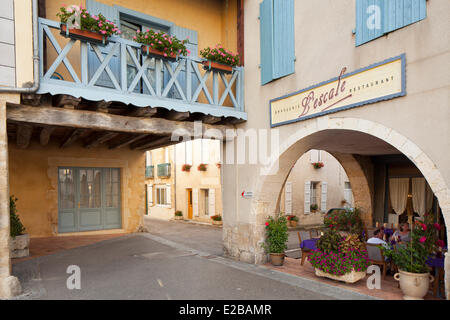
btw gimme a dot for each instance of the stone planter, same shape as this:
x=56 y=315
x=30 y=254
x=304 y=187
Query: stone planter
x=178 y=217
x=218 y=223
x=351 y=277
x=19 y=246
x=84 y=35
x=414 y=285
x=277 y=259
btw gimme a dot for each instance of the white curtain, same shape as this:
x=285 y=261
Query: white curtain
x=398 y=191
x=418 y=195
x=429 y=198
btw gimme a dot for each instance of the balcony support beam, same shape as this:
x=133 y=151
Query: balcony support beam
x=81 y=119
x=99 y=138
x=45 y=134
x=24 y=132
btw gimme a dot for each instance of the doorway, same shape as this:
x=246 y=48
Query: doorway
x=189 y=197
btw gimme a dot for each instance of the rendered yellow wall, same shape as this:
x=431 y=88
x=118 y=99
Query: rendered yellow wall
x=33 y=180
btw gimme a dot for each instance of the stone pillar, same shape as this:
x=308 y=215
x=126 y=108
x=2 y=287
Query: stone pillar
x=9 y=285
x=447 y=275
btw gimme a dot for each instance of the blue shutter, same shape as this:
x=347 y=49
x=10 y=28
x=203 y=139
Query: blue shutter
x=284 y=38
x=266 y=40
x=369 y=20
x=112 y=14
x=400 y=13
x=181 y=34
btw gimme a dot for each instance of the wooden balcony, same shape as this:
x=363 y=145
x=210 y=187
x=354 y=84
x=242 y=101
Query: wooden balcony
x=121 y=79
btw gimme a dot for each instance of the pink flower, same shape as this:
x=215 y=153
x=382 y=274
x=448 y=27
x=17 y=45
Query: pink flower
x=437 y=226
x=134 y=38
x=423 y=239
x=267 y=224
x=424 y=227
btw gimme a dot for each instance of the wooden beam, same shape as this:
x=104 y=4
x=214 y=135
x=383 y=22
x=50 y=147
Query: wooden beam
x=240 y=30
x=72 y=137
x=66 y=101
x=102 y=106
x=98 y=138
x=23 y=135
x=142 y=112
x=31 y=99
x=103 y=121
x=158 y=143
x=45 y=134
x=129 y=140
x=177 y=116
x=208 y=119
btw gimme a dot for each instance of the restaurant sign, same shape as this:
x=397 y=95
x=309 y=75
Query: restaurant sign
x=380 y=81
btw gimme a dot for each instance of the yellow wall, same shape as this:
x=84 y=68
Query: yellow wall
x=33 y=180
x=24 y=41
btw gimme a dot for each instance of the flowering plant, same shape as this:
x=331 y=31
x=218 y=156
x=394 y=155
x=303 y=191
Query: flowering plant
x=318 y=165
x=344 y=220
x=339 y=263
x=178 y=213
x=186 y=167
x=202 y=167
x=79 y=18
x=216 y=217
x=276 y=234
x=412 y=256
x=221 y=55
x=313 y=207
x=292 y=218
x=161 y=41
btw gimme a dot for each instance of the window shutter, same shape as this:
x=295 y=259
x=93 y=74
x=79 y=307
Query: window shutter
x=212 y=201
x=323 y=197
x=148 y=158
x=168 y=195
x=314 y=156
x=166 y=155
x=266 y=40
x=369 y=20
x=112 y=14
x=149 y=196
x=195 y=202
x=283 y=39
x=307 y=197
x=205 y=150
x=192 y=45
x=288 y=198
x=400 y=13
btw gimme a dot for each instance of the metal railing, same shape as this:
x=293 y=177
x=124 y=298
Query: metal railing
x=149 y=172
x=119 y=72
x=164 y=170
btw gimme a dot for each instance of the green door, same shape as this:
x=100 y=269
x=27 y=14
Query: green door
x=88 y=199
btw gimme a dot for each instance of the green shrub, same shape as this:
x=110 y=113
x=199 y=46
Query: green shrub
x=178 y=213
x=276 y=234
x=330 y=241
x=16 y=227
x=348 y=220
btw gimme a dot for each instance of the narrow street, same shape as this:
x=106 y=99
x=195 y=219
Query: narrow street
x=176 y=260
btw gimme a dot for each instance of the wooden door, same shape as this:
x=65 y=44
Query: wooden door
x=189 y=192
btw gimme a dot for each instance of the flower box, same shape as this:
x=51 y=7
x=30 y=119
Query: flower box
x=186 y=167
x=84 y=35
x=202 y=167
x=351 y=277
x=208 y=65
x=148 y=51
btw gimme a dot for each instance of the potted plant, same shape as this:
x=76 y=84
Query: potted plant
x=186 y=167
x=217 y=219
x=411 y=257
x=20 y=241
x=219 y=59
x=339 y=258
x=202 y=167
x=161 y=45
x=276 y=238
x=178 y=215
x=318 y=165
x=314 y=207
x=78 y=23
x=345 y=221
x=218 y=164
x=292 y=220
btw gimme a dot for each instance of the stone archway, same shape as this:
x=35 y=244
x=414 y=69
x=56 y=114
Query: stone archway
x=267 y=188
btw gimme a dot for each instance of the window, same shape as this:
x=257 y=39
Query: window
x=205 y=150
x=313 y=194
x=375 y=18
x=163 y=195
x=315 y=156
x=206 y=201
x=277 y=39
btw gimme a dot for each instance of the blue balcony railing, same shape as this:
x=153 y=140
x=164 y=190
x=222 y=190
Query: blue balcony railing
x=164 y=170
x=119 y=72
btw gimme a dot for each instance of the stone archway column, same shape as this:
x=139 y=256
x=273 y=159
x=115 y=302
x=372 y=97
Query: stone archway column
x=9 y=285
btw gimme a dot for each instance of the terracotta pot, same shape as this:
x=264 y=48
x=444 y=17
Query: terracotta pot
x=350 y=277
x=19 y=246
x=217 y=66
x=414 y=285
x=146 y=50
x=277 y=259
x=84 y=35
x=292 y=223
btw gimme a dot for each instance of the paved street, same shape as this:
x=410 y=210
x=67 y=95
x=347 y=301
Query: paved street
x=180 y=265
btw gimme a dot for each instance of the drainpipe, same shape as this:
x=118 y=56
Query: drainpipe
x=35 y=85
